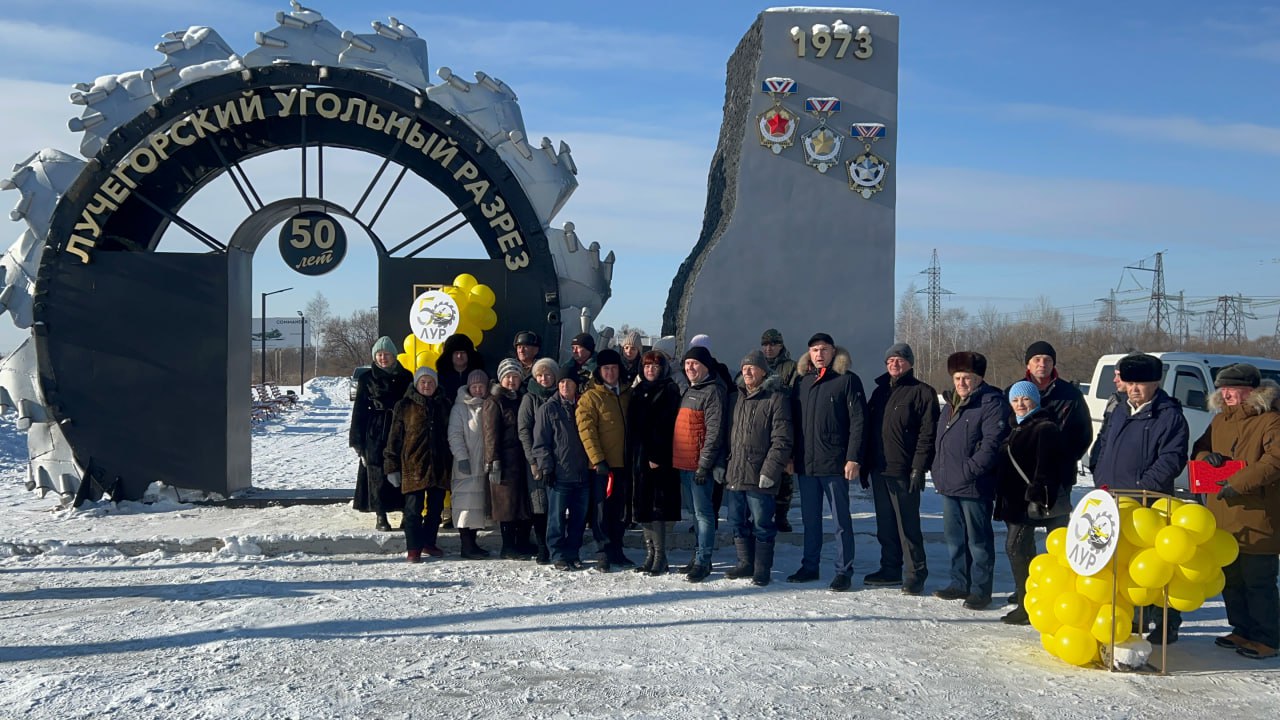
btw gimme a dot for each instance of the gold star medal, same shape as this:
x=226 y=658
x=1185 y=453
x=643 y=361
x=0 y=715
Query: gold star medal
x=822 y=145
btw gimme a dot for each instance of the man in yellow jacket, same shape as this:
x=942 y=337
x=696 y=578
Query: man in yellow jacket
x=1248 y=506
x=602 y=425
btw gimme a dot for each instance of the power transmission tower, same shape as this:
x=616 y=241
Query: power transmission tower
x=935 y=291
x=1109 y=318
x=1158 y=311
x=1227 y=319
x=1181 y=330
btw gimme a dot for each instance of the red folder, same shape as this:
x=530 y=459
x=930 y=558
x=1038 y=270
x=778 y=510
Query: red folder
x=1205 y=477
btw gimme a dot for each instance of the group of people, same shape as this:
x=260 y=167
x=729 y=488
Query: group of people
x=619 y=437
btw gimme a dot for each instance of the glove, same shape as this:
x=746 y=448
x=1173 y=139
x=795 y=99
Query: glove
x=394 y=478
x=700 y=477
x=1216 y=459
x=766 y=482
x=464 y=466
x=717 y=474
x=1227 y=492
x=602 y=469
x=916 y=484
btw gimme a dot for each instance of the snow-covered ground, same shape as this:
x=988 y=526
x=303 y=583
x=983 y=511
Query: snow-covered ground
x=178 y=610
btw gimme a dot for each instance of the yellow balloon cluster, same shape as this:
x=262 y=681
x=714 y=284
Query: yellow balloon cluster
x=1171 y=544
x=476 y=315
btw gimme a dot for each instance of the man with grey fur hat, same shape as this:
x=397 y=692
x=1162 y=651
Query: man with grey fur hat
x=902 y=417
x=759 y=449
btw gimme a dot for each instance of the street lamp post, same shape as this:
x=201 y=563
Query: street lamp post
x=263 y=327
x=302 y=354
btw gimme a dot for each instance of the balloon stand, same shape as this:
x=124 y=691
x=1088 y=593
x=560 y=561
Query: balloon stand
x=1124 y=554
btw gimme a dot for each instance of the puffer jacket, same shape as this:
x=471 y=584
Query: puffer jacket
x=418 y=446
x=1038 y=448
x=902 y=417
x=1146 y=450
x=828 y=414
x=701 y=422
x=1249 y=432
x=602 y=422
x=759 y=436
x=970 y=435
x=470 y=499
x=557 y=445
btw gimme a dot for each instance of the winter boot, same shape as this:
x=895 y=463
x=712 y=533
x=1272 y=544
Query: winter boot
x=1020 y=572
x=523 y=543
x=414 y=556
x=764 y=564
x=647 y=565
x=659 y=549
x=698 y=573
x=471 y=550
x=382 y=523
x=540 y=536
x=510 y=548
x=746 y=559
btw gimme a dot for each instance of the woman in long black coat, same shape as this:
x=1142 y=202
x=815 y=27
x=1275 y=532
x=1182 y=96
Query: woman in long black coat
x=1034 y=448
x=376 y=396
x=651 y=425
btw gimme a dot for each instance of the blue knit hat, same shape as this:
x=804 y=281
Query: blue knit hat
x=1025 y=388
x=384 y=344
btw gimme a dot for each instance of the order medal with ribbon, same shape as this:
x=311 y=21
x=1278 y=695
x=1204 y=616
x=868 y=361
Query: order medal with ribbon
x=822 y=144
x=867 y=171
x=777 y=125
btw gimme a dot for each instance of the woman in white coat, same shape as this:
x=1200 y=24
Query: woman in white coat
x=466 y=441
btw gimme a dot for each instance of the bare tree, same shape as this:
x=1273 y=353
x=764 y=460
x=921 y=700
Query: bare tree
x=910 y=326
x=318 y=313
x=348 y=340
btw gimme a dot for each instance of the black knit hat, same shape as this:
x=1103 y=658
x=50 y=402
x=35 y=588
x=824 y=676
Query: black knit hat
x=1040 y=347
x=585 y=340
x=1238 y=375
x=700 y=354
x=1140 y=368
x=770 y=336
x=965 y=361
x=821 y=338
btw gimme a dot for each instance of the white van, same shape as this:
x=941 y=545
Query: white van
x=1188 y=378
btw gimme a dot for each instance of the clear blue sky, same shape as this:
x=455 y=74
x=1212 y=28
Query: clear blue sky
x=1043 y=146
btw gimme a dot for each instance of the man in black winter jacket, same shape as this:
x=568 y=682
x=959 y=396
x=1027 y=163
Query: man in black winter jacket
x=828 y=418
x=1063 y=401
x=902 y=417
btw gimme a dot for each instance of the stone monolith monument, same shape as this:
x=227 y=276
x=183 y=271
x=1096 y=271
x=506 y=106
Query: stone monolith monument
x=798 y=232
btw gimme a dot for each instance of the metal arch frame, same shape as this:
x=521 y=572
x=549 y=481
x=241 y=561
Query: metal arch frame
x=388 y=94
